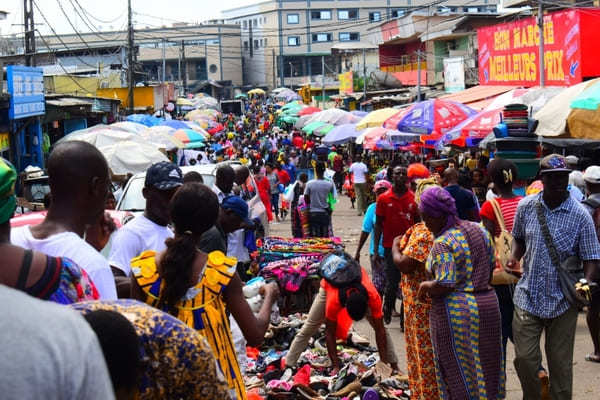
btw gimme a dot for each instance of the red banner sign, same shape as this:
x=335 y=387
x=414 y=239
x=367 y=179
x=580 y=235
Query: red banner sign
x=509 y=53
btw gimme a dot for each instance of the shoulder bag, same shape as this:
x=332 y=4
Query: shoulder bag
x=503 y=245
x=570 y=271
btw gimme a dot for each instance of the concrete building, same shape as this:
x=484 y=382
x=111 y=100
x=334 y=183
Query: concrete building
x=284 y=41
x=200 y=53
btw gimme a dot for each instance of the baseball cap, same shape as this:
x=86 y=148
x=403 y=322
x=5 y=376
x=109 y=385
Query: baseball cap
x=554 y=163
x=381 y=184
x=592 y=174
x=164 y=176
x=238 y=206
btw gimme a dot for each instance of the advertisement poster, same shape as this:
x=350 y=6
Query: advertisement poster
x=26 y=88
x=509 y=53
x=346 y=82
x=454 y=74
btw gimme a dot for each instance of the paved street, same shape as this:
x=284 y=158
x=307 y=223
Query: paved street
x=347 y=225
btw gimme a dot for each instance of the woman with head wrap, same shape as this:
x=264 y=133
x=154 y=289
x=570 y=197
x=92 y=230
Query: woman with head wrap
x=410 y=252
x=465 y=318
x=48 y=278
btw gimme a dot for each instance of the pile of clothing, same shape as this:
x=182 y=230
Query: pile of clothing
x=362 y=376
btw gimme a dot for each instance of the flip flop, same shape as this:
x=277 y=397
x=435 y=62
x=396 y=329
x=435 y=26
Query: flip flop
x=592 y=358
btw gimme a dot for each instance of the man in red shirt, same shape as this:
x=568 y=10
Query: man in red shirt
x=396 y=211
x=298 y=142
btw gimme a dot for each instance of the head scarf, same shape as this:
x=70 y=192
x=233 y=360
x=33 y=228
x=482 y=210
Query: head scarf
x=422 y=185
x=8 y=200
x=437 y=202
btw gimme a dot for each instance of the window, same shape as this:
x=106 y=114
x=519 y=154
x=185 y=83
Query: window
x=397 y=13
x=245 y=24
x=262 y=43
x=265 y=42
x=293 y=18
x=255 y=24
x=349 y=36
x=212 y=69
x=320 y=14
x=256 y=43
x=246 y=45
x=322 y=37
x=347 y=14
x=293 y=40
x=375 y=16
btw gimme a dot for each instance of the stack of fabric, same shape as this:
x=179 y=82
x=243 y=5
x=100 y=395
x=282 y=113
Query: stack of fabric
x=516 y=118
x=362 y=375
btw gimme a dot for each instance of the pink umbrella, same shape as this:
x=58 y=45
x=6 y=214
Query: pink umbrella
x=469 y=132
x=371 y=136
x=308 y=111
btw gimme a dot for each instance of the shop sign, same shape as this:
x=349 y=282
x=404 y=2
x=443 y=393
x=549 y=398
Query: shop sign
x=4 y=141
x=454 y=74
x=509 y=53
x=26 y=89
x=346 y=82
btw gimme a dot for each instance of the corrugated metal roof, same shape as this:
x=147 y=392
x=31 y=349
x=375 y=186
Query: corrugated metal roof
x=68 y=102
x=478 y=94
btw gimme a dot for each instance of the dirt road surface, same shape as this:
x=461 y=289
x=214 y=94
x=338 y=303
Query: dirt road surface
x=586 y=375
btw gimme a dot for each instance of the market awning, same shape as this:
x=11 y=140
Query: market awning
x=478 y=97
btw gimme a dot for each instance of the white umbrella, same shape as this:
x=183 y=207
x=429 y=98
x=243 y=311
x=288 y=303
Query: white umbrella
x=103 y=136
x=129 y=126
x=131 y=157
x=333 y=116
x=162 y=137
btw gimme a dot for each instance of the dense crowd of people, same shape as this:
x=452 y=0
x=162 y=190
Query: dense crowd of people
x=163 y=315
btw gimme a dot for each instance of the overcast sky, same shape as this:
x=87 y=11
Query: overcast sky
x=112 y=14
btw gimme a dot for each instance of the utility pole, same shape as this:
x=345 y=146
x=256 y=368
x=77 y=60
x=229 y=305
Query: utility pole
x=164 y=62
x=364 y=75
x=130 y=50
x=274 y=73
x=29 y=32
x=541 y=27
x=184 y=63
x=323 y=80
x=419 y=75
x=179 y=67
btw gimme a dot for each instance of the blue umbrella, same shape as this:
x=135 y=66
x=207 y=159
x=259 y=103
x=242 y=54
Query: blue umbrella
x=144 y=119
x=175 y=124
x=341 y=134
x=358 y=113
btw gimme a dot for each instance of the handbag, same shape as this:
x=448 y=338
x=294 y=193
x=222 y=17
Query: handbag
x=570 y=271
x=503 y=245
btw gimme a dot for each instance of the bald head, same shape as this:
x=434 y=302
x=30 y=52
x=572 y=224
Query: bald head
x=450 y=176
x=72 y=167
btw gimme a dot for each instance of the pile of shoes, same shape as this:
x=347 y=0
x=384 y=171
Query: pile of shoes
x=363 y=375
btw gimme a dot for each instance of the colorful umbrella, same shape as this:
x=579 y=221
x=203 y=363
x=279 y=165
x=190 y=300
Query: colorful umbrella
x=217 y=128
x=370 y=136
x=144 y=119
x=188 y=135
x=341 y=134
x=469 y=132
x=392 y=122
x=434 y=117
x=376 y=118
x=312 y=126
x=162 y=137
x=402 y=138
x=323 y=130
x=308 y=111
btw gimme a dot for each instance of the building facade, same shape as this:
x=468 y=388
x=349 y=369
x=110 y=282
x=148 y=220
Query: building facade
x=285 y=41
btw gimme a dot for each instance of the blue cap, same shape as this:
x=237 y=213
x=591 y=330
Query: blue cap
x=164 y=176
x=238 y=206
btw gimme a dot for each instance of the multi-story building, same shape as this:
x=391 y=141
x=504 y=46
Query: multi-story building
x=285 y=41
x=208 y=52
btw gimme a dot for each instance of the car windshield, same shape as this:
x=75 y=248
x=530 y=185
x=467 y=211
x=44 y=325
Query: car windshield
x=133 y=199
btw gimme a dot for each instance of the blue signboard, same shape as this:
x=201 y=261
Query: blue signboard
x=26 y=89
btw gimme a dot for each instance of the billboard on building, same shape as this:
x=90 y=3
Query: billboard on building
x=454 y=74
x=509 y=53
x=346 y=82
x=26 y=88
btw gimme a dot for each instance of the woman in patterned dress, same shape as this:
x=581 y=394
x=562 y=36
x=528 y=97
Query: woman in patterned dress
x=197 y=287
x=410 y=252
x=465 y=320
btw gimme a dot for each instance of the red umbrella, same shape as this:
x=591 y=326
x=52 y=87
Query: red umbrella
x=308 y=111
x=392 y=122
x=473 y=129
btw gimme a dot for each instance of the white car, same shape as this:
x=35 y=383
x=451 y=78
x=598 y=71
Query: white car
x=133 y=201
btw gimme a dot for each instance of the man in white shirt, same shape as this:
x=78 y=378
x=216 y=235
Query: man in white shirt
x=78 y=175
x=149 y=230
x=48 y=352
x=360 y=171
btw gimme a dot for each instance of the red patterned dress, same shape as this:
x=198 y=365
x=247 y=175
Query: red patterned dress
x=416 y=244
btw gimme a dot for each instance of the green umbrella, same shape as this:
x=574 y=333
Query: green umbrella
x=310 y=128
x=292 y=104
x=323 y=130
x=289 y=119
x=241 y=96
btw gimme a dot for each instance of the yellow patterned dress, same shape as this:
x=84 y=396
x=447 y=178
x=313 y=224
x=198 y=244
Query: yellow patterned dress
x=202 y=308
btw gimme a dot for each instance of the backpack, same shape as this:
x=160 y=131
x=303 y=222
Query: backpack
x=595 y=204
x=503 y=246
x=343 y=272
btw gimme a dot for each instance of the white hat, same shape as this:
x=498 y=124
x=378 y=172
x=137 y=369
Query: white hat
x=592 y=174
